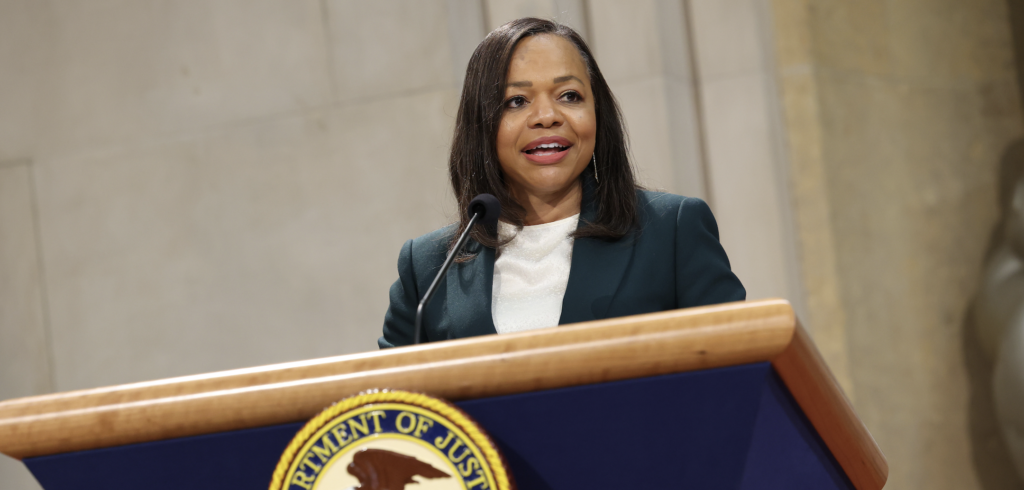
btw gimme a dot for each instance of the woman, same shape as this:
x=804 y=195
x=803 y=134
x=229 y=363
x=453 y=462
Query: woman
x=578 y=240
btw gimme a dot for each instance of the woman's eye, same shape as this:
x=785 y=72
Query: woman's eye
x=515 y=102
x=572 y=96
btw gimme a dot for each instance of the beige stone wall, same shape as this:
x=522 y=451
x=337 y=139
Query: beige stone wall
x=898 y=114
x=197 y=186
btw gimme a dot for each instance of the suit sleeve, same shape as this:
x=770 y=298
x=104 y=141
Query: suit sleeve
x=703 y=274
x=399 y=321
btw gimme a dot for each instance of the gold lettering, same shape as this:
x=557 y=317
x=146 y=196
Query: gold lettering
x=302 y=480
x=451 y=452
x=422 y=426
x=481 y=479
x=313 y=466
x=405 y=416
x=465 y=469
x=356 y=427
x=340 y=434
x=443 y=444
x=377 y=414
x=328 y=443
x=323 y=454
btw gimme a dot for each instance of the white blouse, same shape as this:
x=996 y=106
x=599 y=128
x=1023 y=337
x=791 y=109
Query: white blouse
x=530 y=275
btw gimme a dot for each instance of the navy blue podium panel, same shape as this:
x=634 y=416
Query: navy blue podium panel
x=729 y=428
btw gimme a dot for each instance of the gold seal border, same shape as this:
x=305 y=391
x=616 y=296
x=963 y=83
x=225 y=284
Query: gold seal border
x=436 y=405
x=354 y=445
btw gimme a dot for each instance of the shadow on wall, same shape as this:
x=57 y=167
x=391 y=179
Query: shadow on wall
x=983 y=326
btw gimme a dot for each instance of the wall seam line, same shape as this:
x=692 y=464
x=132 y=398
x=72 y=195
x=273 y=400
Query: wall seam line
x=44 y=290
x=486 y=16
x=698 y=102
x=325 y=24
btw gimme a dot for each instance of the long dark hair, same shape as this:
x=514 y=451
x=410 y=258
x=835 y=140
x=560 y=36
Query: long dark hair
x=473 y=164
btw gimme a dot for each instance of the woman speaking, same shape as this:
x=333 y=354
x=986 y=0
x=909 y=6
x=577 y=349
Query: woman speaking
x=578 y=240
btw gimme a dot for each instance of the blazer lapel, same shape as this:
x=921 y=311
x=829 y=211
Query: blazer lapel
x=469 y=294
x=597 y=268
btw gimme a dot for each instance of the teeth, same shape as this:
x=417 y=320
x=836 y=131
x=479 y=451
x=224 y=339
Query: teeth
x=549 y=145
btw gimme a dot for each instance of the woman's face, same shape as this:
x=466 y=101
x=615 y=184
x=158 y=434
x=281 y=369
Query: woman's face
x=548 y=127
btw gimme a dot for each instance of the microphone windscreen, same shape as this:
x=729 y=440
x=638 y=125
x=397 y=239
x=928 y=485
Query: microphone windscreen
x=490 y=208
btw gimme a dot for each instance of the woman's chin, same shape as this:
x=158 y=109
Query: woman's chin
x=540 y=180
x=551 y=186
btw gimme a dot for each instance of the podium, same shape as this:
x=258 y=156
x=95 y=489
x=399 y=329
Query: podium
x=729 y=396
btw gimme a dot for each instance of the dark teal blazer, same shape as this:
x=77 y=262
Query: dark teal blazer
x=673 y=261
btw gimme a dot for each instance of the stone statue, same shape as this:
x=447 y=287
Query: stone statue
x=999 y=321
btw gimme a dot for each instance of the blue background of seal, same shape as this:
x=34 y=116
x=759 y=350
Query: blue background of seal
x=729 y=428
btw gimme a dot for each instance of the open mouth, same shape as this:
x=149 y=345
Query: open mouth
x=549 y=149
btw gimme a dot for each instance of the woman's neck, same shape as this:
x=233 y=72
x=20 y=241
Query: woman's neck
x=550 y=207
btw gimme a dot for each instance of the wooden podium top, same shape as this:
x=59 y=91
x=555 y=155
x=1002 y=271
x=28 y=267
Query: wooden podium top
x=584 y=353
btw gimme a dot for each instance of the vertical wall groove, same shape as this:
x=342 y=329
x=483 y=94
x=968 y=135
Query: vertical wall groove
x=325 y=22
x=698 y=104
x=43 y=289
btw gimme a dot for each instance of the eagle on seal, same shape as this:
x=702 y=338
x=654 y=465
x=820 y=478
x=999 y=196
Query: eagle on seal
x=379 y=469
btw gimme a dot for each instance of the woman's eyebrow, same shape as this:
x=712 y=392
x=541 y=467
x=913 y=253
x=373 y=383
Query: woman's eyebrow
x=527 y=83
x=566 y=79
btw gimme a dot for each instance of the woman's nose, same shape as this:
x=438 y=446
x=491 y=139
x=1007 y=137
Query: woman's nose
x=545 y=114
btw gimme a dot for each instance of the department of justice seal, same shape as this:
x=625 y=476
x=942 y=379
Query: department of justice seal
x=387 y=439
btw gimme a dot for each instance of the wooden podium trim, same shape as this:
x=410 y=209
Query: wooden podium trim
x=811 y=383
x=585 y=353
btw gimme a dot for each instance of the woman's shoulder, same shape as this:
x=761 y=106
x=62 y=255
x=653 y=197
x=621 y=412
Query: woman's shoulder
x=657 y=206
x=428 y=250
x=687 y=222
x=426 y=253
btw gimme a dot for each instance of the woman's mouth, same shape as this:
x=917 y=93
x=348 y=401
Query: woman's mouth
x=550 y=149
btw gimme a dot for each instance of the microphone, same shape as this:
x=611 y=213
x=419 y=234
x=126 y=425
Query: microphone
x=484 y=208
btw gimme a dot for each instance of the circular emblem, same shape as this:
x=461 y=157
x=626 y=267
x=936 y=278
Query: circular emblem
x=385 y=440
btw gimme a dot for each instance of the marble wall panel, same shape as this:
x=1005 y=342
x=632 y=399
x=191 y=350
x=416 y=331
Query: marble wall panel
x=24 y=346
x=389 y=47
x=745 y=164
x=260 y=243
x=623 y=40
x=641 y=39
x=674 y=35
x=823 y=314
x=853 y=37
x=572 y=13
x=960 y=46
x=663 y=141
x=687 y=145
x=500 y=12
x=119 y=71
x=646 y=115
x=24 y=343
x=15 y=476
x=644 y=53
x=466 y=28
x=575 y=14
x=730 y=37
x=746 y=186
x=21 y=50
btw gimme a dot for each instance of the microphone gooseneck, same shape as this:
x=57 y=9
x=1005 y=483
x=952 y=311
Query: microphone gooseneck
x=484 y=209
